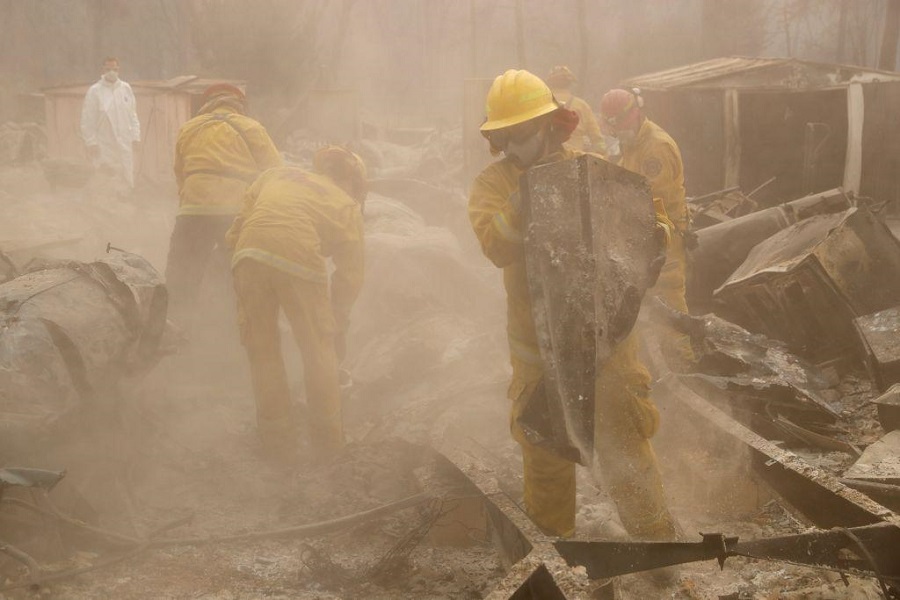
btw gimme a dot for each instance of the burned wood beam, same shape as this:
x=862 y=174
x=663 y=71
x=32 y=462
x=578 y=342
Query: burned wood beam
x=817 y=494
x=537 y=570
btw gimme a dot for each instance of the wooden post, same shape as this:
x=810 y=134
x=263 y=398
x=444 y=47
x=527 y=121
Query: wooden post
x=732 y=130
x=855 y=118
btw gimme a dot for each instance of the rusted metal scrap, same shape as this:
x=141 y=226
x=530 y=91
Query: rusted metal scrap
x=806 y=284
x=70 y=330
x=590 y=238
x=880 y=462
x=722 y=248
x=865 y=539
x=762 y=370
x=869 y=550
x=889 y=408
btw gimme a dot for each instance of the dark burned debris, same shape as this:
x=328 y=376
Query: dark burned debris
x=69 y=331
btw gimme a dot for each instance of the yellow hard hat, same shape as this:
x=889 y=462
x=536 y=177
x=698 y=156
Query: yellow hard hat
x=516 y=97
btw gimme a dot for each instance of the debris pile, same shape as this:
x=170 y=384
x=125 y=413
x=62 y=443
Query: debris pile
x=54 y=358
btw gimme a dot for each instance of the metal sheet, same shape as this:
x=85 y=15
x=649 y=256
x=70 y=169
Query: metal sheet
x=806 y=284
x=67 y=332
x=880 y=462
x=589 y=240
x=758 y=73
x=879 y=334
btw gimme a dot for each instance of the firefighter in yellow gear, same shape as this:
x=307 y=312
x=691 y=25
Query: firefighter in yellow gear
x=528 y=126
x=561 y=81
x=292 y=221
x=648 y=150
x=218 y=154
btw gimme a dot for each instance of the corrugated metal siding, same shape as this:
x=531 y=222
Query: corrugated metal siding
x=758 y=73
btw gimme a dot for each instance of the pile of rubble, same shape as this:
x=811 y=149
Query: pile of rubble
x=429 y=359
x=815 y=283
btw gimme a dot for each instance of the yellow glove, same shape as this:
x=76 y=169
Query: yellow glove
x=664 y=225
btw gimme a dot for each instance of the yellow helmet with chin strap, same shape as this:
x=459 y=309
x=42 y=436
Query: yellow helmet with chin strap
x=516 y=97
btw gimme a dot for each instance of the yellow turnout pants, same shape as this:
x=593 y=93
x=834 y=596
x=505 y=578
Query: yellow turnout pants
x=261 y=291
x=670 y=287
x=625 y=420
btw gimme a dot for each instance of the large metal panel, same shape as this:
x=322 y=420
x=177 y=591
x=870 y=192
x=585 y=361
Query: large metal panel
x=589 y=240
x=805 y=284
x=879 y=334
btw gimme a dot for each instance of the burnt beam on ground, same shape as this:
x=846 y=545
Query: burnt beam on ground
x=820 y=496
x=536 y=569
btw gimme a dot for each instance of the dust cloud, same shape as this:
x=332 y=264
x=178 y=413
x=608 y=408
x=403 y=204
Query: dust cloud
x=170 y=454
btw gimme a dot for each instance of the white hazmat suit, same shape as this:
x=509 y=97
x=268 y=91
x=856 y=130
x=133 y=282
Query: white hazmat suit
x=109 y=121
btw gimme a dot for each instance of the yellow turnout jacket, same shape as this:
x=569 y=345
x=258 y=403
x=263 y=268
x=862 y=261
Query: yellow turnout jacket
x=293 y=220
x=217 y=156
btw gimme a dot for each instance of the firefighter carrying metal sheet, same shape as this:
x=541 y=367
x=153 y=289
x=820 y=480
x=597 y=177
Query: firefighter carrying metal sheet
x=527 y=125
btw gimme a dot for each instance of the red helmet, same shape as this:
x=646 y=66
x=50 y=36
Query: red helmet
x=621 y=109
x=219 y=89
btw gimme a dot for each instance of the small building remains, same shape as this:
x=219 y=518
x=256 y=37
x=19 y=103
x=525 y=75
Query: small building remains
x=163 y=106
x=810 y=126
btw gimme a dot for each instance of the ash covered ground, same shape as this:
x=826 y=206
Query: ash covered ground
x=428 y=355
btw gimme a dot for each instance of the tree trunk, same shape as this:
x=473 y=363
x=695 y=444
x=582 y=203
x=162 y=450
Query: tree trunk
x=520 y=35
x=887 y=59
x=583 y=44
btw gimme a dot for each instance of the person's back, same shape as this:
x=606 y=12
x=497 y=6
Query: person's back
x=218 y=154
x=290 y=221
x=295 y=220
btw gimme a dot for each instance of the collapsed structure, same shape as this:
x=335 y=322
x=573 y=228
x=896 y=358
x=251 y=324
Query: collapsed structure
x=809 y=286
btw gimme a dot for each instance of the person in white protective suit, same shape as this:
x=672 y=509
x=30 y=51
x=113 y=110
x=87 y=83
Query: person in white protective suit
x=109 y=123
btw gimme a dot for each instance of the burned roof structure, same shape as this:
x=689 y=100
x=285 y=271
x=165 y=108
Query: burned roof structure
x=810 y=126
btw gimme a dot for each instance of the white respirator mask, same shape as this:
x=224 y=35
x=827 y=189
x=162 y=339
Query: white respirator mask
x=528 y=151
x=111 y=76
